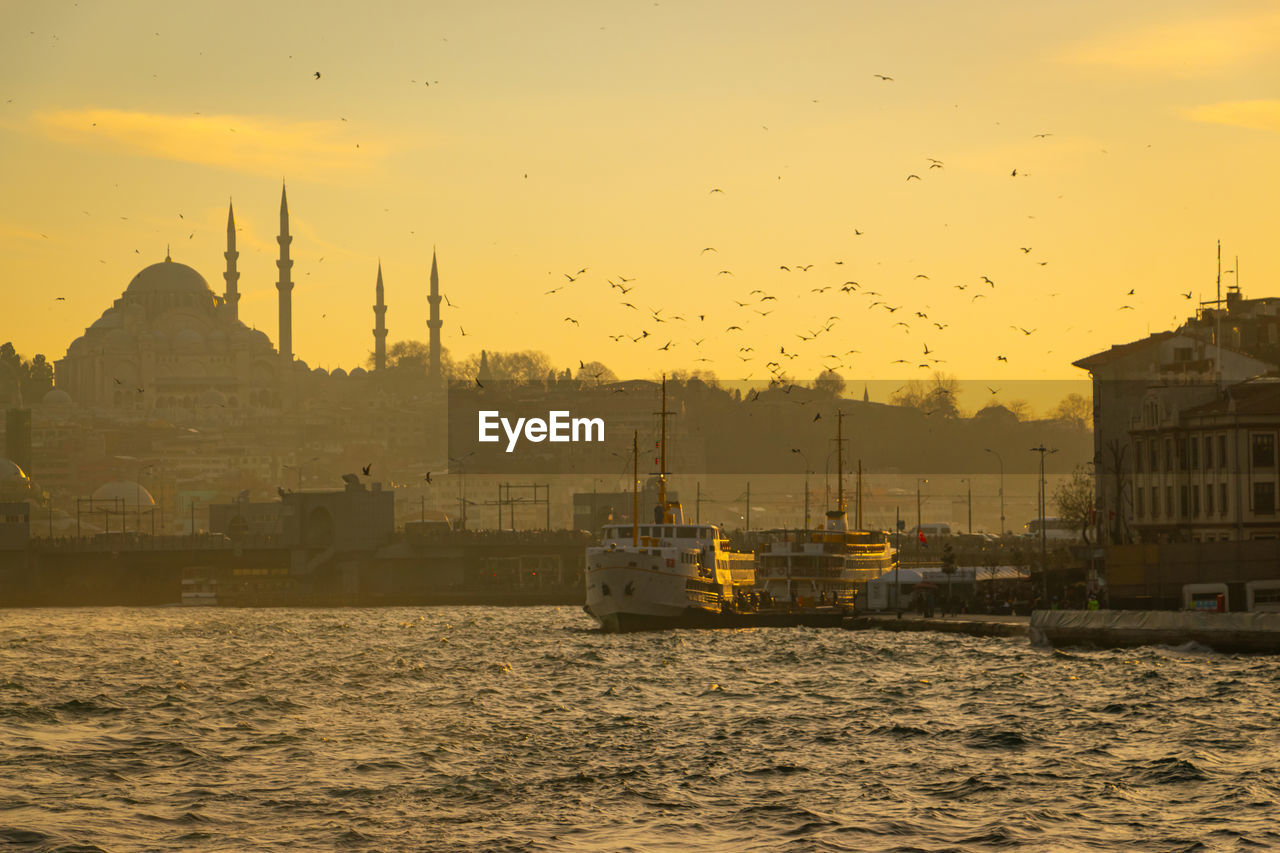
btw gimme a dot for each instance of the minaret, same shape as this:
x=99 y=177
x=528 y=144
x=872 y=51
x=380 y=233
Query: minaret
x=433 y=367
x=285 y=283
x=231 y=276
x=380 y=328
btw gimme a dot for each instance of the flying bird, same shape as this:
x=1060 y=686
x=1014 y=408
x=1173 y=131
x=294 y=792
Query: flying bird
x=1001 y=358
x=573 y=321
x=366 y=468
x=317 y=75
x=428 y=478
x=883 y=77
x=909 y=177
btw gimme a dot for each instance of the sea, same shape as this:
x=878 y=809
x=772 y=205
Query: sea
x=525 y=729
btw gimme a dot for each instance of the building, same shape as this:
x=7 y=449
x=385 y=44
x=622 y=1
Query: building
x=1208 y=472
x=1174 y=371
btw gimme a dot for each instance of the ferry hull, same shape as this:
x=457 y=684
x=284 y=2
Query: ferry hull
x=627 y=591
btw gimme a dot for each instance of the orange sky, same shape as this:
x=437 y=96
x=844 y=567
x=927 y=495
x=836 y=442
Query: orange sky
x=527 y=141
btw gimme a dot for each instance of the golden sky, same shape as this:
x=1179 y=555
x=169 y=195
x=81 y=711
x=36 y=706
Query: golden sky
x=527 y=141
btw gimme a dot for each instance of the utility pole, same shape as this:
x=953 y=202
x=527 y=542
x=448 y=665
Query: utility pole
x=697 y=505
x=748 y=516
x=919 y=522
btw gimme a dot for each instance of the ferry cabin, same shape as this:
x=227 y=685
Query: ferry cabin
x=713 y=552
x=816 y=566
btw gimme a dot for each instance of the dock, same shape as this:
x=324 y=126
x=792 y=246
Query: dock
x=1244 y=632
x=972 y=624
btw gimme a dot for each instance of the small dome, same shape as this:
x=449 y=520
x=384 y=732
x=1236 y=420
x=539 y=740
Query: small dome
x=110 y=319
x=319 y=371
x=57 y=397
x=339 y=373
x=132 y=495
x=168 y=277
x=358 y=372
x=9 y=472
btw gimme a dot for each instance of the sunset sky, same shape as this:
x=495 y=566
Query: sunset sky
x=529 y=141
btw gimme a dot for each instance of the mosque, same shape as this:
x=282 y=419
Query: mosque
x=170 y=343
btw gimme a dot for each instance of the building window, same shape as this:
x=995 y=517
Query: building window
x=1139 y=493
x=1182 y=494
x=1208 y=499
x=1222 y=498
x=1195 y=501
x=1222 y=452
x=1195 y=453
x=1137 y=455
x=1182 y=454
x=1168 y=501
x=1168 y=454
x=1208 y=453
x=1155 y=503
x=1155 y=454
x=1264 y=450
x=1264 y=498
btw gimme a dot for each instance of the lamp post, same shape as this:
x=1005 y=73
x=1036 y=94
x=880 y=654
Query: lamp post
x=919 y=523
x=806 y=485
x=968 y=481
x=1044 y=549
x=299 y=468
x=1001 y=459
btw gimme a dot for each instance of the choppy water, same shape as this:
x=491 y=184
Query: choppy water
x=522 y=729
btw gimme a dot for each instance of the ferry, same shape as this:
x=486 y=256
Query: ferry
x=199 y=588
x=666 y=574
x=827 y=566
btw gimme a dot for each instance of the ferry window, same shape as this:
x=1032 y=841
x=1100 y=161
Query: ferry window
x=1264 y=450
x=686 y=532
x=646 y=530
x=668 y=531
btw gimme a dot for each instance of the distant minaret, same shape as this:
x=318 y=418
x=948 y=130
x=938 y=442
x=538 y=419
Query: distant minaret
x=285 y=284
x=433 y=368
x=380 y=329
x=231 y=276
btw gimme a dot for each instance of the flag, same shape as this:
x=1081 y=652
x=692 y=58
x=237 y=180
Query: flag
x=920 y=533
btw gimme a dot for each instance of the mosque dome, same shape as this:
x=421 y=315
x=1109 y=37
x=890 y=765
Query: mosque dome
x=168 y=277
x=132 y=495
x=188 y=340
x=56 y=397
x=358 y=373
x=338 y=373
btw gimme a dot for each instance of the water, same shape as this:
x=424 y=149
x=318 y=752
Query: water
x=525 y=730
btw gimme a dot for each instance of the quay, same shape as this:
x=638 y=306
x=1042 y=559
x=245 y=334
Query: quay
x=1240 y=632
x=972 y=624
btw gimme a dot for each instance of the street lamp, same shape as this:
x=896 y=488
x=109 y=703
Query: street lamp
x=1044 y=549
x=999 y=457
x=806 y=485
x=299 y=468
x=919 y=525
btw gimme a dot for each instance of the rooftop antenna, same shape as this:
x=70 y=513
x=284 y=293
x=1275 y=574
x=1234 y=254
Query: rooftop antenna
x=1217 y=332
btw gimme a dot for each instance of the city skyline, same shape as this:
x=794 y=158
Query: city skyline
x=1082 y=159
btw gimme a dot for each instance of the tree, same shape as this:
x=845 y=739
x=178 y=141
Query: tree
x=1074 y=500
x=829 y=382
x=594 y=371
x=937 y=396
x=528 y=367
x=1074 y=410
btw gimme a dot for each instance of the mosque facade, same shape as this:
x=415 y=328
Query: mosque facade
x=169 y=342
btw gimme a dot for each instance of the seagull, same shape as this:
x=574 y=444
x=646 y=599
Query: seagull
x=479 y=384
x=909 y=177
x=993 y=390
x=708 y=249
x=573 y=321
x=1025 y=249
x=1001 y=358
x=428 y=476
x=817 y=417
x=366 y=468
x=317 y=75
x=716 y=190
x=1186 y=295
x=883 y=78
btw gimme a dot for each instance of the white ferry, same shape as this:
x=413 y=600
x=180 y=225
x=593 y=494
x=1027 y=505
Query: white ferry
x=199 y=588
x=807 y=568
x=666 y=574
